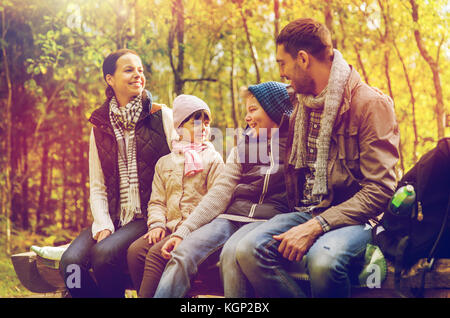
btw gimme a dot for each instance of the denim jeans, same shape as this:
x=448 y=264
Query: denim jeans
x=108 y=260
x=194 y=250
x=328 y=262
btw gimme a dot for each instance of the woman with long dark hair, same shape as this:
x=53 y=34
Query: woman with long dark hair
x=129 y=134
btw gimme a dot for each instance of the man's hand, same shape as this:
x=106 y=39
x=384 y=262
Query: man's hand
x=102 y=235
x=155 y=235
x=170 y=246
x=296 y=242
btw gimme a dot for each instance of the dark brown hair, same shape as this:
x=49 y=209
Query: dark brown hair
x=109 y=67
x=196 y=115
x=308 y=35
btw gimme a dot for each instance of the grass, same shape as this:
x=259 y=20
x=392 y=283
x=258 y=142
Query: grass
x=10 y=286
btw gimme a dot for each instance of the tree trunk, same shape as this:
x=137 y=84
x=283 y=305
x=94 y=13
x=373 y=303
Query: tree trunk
x=249 y=42
x=49 y=209
x=276 y=11
x=361 y=64
x=328 y=13
x=64 y=187
x=386 y=44
x=42 y=187
x=408 y=82
x=434 y=66
x=177 y=30
x=24 y=185
x=121 y=16
x=7 y=191
x=233 y=87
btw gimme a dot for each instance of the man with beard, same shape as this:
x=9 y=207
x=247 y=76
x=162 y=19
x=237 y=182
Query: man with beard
x=339 y=171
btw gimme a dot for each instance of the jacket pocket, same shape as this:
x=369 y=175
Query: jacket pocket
x=348 y=152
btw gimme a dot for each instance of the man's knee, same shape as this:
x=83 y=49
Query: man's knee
x=324 y=267
x=250 y=247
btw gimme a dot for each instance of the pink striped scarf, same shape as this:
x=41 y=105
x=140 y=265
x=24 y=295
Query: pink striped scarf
x=192 y=159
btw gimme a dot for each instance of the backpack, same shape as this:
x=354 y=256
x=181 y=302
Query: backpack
x=423 y=232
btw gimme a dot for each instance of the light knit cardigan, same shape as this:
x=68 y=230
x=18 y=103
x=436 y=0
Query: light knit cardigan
x=98 y=196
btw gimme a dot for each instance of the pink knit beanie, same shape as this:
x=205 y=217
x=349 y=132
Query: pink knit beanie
x=186 y=105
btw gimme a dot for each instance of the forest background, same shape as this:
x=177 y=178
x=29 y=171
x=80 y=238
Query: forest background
x=51 y=81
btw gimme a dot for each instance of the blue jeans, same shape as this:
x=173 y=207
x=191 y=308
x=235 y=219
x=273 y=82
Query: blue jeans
x=195 y=249
x=328 y=262
x=108 y=260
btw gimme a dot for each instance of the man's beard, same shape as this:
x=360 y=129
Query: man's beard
x=303 y=84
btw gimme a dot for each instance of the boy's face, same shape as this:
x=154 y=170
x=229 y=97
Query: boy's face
x=257 y=118
x=196 y=130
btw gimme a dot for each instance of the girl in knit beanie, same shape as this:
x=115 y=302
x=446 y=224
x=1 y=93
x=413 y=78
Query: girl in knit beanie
x=181 y=179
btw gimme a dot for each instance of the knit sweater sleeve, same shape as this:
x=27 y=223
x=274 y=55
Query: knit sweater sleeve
x=98 y=196
x=216 y=170
x=216 y=200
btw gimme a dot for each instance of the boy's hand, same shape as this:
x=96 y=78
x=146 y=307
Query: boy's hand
x=170 y=246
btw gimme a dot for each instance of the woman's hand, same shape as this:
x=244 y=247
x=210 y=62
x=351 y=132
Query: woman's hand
x=170 y=246
x=155 y=235
x=102 y=235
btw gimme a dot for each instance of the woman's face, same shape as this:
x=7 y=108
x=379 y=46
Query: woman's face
x=196 y=129
x=257 y=118
x=128 y=80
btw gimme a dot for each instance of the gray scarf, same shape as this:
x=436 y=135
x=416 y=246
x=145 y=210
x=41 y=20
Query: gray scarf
x=331 y=99
x=125 y=118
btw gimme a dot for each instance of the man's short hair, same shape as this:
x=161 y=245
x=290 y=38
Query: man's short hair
x=309 y=35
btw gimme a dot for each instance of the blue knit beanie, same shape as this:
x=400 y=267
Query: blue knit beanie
x=274 y=98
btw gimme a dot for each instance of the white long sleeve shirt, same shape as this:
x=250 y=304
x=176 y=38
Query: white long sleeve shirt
x=98 y=196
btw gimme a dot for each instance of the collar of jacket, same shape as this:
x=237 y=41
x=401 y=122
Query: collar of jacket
x=354 y=80
x=100 y=116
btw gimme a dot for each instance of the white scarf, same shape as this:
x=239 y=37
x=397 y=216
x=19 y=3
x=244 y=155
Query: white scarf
x=125 y=118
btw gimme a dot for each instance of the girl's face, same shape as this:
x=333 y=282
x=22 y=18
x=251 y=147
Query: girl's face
x=196 y=129
x=257 y=118
x=128 y=80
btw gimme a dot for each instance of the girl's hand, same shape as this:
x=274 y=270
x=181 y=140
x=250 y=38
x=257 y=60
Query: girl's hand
x=155 y=235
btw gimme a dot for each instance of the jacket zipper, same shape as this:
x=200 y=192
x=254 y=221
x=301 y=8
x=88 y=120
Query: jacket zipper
x=266 y=182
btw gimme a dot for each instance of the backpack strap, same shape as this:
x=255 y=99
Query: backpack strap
x=419 y=292
x=398 y=265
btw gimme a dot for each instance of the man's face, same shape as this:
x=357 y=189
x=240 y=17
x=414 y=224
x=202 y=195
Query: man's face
x=295 y=70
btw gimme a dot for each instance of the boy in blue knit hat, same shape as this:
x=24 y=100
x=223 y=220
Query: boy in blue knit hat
x=247 y=193
x=266 y=105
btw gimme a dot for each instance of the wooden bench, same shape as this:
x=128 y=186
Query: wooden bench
x=41 y=275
